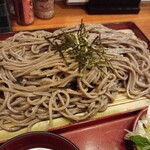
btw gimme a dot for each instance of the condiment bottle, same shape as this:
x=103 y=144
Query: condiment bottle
x=44 y=9
x=24 y=11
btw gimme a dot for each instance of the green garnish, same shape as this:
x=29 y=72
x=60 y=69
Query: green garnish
x=77 y=44
x=140 y=137
x=140 y=142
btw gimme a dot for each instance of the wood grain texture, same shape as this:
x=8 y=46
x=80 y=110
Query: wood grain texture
x=71 y=15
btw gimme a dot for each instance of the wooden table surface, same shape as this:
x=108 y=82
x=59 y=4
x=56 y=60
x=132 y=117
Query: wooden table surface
x=71 y=15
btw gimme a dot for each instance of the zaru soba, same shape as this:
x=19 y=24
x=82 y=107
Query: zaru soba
x=80 y=69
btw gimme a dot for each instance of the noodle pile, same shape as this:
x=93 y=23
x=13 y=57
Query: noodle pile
x=36 y=84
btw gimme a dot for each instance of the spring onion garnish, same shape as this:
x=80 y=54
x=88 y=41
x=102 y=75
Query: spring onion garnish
x=77 y=44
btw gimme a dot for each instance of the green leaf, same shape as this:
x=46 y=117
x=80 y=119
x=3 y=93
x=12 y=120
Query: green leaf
x=140 y=141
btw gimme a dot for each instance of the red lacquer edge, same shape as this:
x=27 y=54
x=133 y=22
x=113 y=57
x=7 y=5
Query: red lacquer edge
x=139 y=115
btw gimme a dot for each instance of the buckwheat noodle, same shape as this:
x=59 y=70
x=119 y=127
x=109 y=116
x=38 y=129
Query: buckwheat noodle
x=36 y=84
